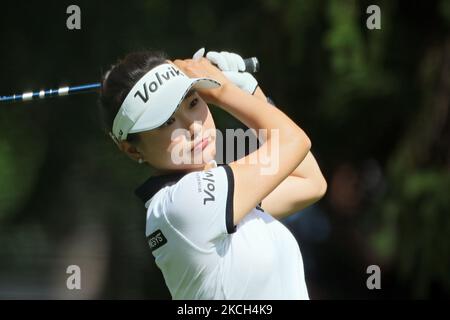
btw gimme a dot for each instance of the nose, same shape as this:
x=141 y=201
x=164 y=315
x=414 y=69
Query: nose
x=195 y=129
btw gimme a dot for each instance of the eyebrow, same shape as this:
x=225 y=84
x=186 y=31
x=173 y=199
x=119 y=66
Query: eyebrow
x=190 y=93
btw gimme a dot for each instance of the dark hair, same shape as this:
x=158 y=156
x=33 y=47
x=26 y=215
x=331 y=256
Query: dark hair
x=118 y=81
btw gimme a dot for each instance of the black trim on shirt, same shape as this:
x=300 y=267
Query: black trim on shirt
x=229 y=212
x=150 y=187
x=153 y=184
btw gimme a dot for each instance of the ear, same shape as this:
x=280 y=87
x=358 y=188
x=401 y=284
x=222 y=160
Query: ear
x=130 y=150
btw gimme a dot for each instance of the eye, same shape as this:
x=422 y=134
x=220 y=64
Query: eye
x=193 y=103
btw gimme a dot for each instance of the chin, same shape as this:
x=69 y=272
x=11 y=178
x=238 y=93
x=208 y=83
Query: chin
x=206 y=158
x=209 y=153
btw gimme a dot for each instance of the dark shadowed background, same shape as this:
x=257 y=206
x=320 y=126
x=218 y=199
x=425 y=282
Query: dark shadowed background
x=374 y=102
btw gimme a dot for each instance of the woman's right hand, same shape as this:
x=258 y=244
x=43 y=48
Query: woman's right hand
x=203 y=68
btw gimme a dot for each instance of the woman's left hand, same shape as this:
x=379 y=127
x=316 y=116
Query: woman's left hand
x=233 y=67
x=202 y=68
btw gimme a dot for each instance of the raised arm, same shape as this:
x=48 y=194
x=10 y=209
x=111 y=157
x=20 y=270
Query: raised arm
x=303 y=187
x=285 y=146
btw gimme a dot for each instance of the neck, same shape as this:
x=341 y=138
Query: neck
x=203 y=167
x=166 y=172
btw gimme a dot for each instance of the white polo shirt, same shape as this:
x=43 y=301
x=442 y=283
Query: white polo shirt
x=202 y=255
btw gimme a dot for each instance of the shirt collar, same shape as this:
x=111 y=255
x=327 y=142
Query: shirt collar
x=152 y=185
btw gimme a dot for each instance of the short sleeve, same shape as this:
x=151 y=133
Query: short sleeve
x=200 y=205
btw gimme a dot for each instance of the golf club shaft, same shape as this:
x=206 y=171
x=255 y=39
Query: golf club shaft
x=251 y=65
x=50 y=93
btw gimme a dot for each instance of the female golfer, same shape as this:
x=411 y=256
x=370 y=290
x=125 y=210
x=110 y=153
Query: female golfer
x=213 y=230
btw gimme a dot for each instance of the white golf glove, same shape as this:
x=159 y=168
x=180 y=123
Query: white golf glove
x=233 y=67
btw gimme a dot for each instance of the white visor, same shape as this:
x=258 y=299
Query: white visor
x=154 y=98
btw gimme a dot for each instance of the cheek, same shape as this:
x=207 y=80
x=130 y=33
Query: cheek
x=155 y=148
x=165 y=148
x=178 y=136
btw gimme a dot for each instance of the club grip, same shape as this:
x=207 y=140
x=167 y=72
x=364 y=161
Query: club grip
x=251 y=65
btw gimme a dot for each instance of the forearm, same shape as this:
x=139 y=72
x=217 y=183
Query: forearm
x=258 y=114
x=308 y=168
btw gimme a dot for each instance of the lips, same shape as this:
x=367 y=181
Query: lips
x=201 y=144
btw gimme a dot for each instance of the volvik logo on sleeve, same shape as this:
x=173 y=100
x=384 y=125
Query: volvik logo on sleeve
x=210 y=187
x=156 y=240
x=158 y=82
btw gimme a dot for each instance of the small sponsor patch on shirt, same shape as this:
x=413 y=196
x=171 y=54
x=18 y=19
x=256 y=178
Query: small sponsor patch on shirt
x=156 y=240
